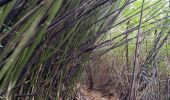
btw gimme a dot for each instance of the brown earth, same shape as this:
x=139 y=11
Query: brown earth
x=87 y=94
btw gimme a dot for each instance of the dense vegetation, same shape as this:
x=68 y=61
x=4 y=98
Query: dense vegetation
x=46 y=45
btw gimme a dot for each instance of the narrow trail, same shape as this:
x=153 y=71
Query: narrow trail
x=87 y=94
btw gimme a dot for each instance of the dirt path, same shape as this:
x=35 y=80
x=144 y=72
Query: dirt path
x=96 y=95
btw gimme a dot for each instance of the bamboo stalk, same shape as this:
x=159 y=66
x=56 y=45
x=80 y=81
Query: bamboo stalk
x=134 y=85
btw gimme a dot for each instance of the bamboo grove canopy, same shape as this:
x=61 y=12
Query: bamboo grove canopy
x=45 y=45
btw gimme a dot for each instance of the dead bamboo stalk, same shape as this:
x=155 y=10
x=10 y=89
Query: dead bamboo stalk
x=134 y=85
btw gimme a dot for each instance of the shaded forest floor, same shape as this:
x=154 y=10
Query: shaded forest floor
x=90 y=94
x=107 y=79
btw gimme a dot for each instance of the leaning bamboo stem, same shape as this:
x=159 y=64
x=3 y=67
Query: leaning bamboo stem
x=20 y=21
x=7 y=9
x=27 y=36
x=134 y=86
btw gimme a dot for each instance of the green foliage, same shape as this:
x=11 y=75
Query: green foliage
x=46 y=44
